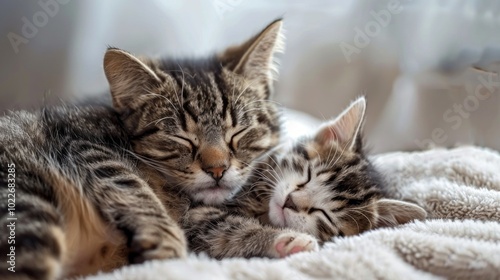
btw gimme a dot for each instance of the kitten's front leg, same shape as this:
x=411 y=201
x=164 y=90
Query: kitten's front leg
x=291 y=242
x=222 y=235
x=128 y=203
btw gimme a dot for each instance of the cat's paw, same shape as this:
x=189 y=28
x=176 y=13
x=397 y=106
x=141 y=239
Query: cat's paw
x=288 y=243
x=153 y=244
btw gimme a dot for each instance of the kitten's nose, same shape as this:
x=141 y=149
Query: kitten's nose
x=216 y=172
x=290 y=204
x=214 y=161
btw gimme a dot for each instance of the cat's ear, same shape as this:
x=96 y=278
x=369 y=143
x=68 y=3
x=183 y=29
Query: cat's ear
x=254 y=58
x=128 y=77
x=345 y=129
x=395 y=212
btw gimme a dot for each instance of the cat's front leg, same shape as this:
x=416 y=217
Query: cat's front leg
x=128 y=203
x=290 y=242
x=221 y=234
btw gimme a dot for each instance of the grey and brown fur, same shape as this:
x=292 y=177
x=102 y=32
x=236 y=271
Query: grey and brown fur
x=317 y=188
x=98 y=187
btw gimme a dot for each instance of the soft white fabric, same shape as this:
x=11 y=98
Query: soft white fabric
x=460 y=188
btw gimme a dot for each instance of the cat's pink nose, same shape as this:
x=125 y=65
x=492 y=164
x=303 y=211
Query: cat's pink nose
x=290 y=204
x=216 y=172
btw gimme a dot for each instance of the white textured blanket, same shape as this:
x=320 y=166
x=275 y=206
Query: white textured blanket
x=460 y=189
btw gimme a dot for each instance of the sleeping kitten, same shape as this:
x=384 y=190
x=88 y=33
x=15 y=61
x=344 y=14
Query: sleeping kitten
x=91 y=185
x=319 y=187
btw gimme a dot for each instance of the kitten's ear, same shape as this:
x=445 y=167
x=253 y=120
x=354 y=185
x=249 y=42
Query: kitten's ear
x=254 y=58
x=395 y=212
x=128 y=77
x=344 y=130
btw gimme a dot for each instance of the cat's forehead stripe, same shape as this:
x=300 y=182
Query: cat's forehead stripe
x=301 y=150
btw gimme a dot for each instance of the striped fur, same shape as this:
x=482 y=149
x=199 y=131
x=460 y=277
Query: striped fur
x=98 y=186
x=203 y=121
x=319 y=187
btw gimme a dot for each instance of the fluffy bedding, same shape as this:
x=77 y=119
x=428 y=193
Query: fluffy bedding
x=460 y=189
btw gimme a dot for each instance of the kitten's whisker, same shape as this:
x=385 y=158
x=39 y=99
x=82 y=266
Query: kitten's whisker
x=262 y=192
x=183 y=79
x=243 y=91
x=152 y=163
x=277 y=165
x=234 y=87
x=362 y=207
x=160 y=119
x=316 y=150
x=177 y=97
x=150 y=93
x=357 y=225
x=241 y=113
x=369 y=221
x=271 y=170
x=182 y=71
x=259 y=100
x=341 y=154
x=263 y=174
x=331 y=159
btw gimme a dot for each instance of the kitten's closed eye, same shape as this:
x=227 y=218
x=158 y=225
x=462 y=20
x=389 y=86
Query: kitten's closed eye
x=184 y=141
x=323 y=212
x=300 y=186
x=233 y=143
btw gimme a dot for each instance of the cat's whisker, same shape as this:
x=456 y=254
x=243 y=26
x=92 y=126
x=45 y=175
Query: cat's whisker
x=341 y=154
x=352 y=218
x=369 y=221
x=177 y=96
x=152 y=163
x=183 y=79
x=234 y=88
x=362 y=207
x=159 y=120
x=277 y=165
x=330 y=159
x=259 y=100
x=271 y=169
x=242 y=113
x=272 y=172
x=262 y=174
x=317 y=153
x=262 y=192
x=182 y=71
x=339 y=157
x=150 y=93
x=243 y=91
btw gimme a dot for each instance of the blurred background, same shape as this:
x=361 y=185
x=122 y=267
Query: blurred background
x=428 y=68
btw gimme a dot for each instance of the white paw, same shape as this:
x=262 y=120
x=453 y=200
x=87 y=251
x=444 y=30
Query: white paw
x=288 y=243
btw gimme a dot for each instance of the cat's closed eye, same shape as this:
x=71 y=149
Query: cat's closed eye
x=300 y=186
x=323 y=212
x=184 y=141
x=233 y=143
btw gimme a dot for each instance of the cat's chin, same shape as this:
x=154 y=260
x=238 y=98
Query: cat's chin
x=213 y=195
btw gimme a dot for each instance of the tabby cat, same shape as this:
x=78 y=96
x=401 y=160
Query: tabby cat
x=319 y=187
x=94 y=187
